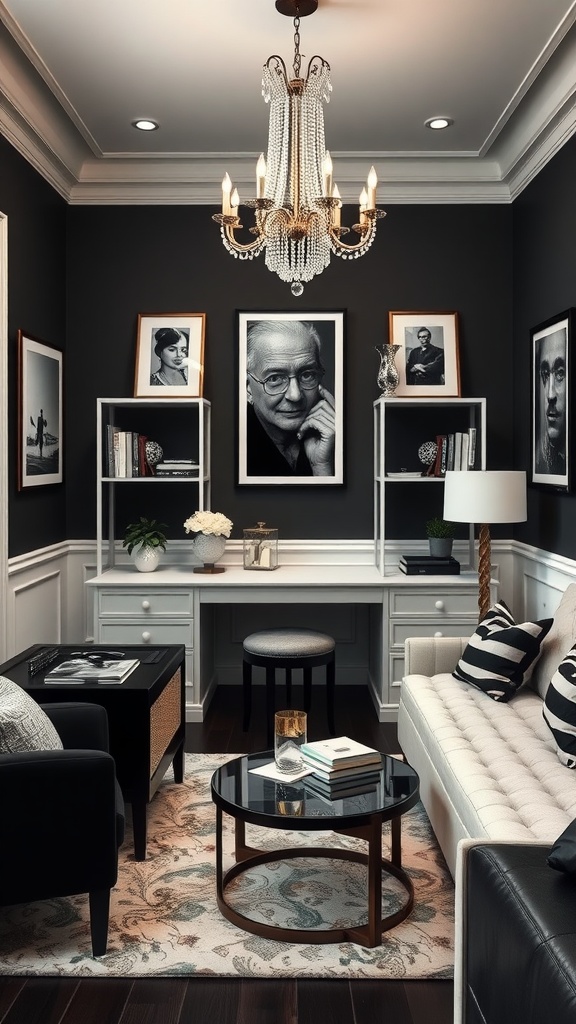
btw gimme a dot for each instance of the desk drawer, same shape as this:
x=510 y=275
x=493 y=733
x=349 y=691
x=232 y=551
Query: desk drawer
x=145 y=632
x=146 y=602
x=436 y=602
x=400 y=631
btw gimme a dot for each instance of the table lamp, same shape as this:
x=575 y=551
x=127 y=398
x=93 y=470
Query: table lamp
x=485 y=496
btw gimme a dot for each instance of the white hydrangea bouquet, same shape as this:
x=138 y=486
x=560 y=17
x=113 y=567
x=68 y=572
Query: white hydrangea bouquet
x=211 y=524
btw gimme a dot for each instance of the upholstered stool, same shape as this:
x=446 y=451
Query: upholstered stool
x=288 y=649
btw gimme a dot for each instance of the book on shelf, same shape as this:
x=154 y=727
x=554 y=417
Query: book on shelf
x=450 y=455
x=88 y=669
x=472 y=448
x=164 y=472
x=341 y=752
x=457 y=450
x=178 y=462
x=464 y=452
x=440 y=445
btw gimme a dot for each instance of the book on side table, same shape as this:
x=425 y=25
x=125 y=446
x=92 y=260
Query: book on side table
x=340 y=752
x=92 y=669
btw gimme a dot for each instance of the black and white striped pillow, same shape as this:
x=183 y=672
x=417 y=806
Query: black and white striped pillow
x=501 y=654
x=559 y=709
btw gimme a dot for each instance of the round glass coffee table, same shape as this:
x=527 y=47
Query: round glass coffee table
x=257 y=800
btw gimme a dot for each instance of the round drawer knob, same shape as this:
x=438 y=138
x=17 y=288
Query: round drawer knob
x=438 y=633
x=146 y=636
x=146 y=605
x=439 y=605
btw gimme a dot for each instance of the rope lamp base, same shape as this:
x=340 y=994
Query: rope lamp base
x=484 y=566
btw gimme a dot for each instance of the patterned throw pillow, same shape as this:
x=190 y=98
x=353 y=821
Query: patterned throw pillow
x=501 y=654
x=559 y=709
x=24 y=725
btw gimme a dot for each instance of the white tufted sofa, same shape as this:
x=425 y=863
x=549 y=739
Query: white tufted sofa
x=487 y=770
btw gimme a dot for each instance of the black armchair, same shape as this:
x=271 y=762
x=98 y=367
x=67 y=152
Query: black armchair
x=63 y=818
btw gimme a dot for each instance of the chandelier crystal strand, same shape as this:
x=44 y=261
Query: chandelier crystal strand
x=295 y=222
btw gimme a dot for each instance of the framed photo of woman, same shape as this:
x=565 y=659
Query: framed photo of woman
x=427 y=359
x=170 y=355
x=291 y=398
x=40 y=455
x=552 y=401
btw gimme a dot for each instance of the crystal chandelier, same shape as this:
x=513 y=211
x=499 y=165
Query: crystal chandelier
x=297 y=205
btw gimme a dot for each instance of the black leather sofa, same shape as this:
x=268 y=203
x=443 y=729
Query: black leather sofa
x=519 y=938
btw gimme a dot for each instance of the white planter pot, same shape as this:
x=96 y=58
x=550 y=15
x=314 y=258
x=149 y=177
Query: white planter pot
x=146 y=559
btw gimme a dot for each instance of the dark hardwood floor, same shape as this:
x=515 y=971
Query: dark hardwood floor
x=239 y=1001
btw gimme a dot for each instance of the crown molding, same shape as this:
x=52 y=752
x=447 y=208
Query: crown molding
x=42 y=131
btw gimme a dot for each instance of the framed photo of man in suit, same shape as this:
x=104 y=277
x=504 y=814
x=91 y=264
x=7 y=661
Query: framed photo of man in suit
x=427 y=358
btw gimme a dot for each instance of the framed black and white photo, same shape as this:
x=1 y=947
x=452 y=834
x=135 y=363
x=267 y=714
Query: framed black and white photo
x=40 y=455
x=291 y=398
x=427 y=359
x=170 y=355
x=551 y=407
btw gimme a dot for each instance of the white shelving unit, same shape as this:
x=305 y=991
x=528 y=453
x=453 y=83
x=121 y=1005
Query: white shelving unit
x=130 y=414
x=432 y=416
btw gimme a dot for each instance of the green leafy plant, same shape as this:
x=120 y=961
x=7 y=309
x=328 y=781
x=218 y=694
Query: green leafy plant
x=437 y=527
x=146 y=533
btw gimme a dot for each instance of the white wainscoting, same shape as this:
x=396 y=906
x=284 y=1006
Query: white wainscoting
x=48 y=602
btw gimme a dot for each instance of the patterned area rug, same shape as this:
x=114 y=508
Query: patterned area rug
x=164 y=919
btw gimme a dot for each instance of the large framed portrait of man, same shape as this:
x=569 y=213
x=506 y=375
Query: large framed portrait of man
x=40 y=413
x=551 y=407
x=290 y=398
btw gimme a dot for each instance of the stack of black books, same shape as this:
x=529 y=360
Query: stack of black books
x=428 y=565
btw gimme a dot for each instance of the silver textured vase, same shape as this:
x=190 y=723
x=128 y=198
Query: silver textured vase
x=388 y=376
x=208 y=548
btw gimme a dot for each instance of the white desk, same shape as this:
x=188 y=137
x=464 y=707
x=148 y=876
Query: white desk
x=176 y=605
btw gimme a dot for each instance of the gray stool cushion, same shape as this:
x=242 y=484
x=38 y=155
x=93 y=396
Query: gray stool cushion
x=288 y=643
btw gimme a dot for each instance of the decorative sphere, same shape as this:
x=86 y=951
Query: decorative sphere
x=154 y=453
x=297 y=288
x=427 y=452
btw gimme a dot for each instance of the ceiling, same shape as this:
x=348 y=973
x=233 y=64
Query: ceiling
x=74 y=75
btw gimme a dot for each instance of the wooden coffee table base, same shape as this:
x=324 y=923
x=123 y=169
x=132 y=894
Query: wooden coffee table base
x=367 y=935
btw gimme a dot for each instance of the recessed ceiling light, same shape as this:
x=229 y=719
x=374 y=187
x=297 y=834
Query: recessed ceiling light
x=145 y=125
x=438 y=122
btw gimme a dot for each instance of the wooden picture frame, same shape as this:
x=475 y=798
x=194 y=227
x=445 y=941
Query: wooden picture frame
x=297 y=435
x=433 y=336
x=552 y=391
x=170 y=355
x=40 y=413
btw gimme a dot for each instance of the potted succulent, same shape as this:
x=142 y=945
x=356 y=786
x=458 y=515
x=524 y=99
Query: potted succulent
x=440 y=533
x=146 y=538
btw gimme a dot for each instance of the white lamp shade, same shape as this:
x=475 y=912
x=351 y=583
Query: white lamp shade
x=485 y=496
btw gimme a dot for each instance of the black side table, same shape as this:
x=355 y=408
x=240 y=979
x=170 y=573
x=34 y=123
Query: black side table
x=146 y=716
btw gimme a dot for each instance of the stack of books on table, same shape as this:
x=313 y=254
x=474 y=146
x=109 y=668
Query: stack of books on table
x=428 y=565
x=92 y=669
x=341 y=767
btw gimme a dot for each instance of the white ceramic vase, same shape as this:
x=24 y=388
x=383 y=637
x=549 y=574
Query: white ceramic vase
x=208 y=548
x=146 y=559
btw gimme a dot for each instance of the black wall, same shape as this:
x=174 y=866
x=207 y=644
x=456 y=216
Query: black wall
x=79 y=276
x=126 y=260
x=544 y=285
x=36 y=304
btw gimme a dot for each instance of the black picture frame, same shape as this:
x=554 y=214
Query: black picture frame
x=40 y=413
x=552 y=392
x=259 y=458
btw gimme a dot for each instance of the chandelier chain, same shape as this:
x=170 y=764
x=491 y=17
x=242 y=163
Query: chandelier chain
x=297 y=57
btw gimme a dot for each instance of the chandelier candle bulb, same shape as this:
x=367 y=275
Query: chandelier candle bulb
x=226 y=190
x=372 y=182
x=234 y=202
x=260 y=177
